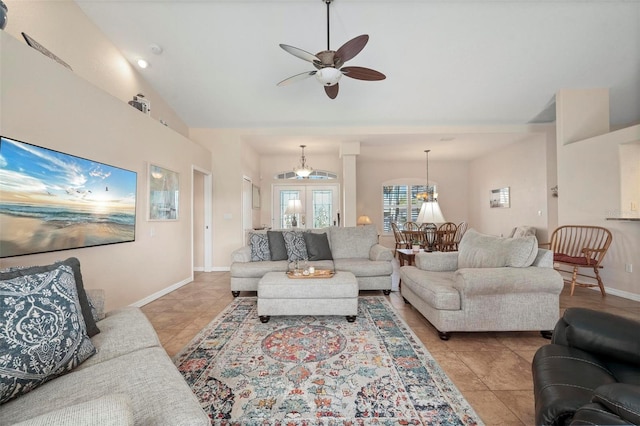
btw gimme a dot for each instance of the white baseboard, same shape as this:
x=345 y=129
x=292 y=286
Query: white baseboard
x=161 y=293
x=212 y=269
x=620 y=293
x=176 y=286
x=220 y=269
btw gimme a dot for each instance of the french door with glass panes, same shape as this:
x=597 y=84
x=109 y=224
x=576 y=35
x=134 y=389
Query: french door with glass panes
x=320 y=205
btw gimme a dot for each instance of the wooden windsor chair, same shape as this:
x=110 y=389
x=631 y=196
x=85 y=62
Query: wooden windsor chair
x=446 y=236
x=401 y=242
x=460 y=230
x=411 y=226
x=412 y=233
x=580 y=250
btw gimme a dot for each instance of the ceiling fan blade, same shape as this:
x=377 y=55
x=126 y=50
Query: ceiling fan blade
x=361 y=73
x=297 y=77
x=331 y=91
x=350 y=49
x=302 y=54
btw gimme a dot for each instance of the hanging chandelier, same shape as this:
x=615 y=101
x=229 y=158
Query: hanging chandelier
x=303 y=170
x=430 y=211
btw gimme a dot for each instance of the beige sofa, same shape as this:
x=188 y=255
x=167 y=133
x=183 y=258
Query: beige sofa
x=354 y=249
x=490 y=284
x=130 y=380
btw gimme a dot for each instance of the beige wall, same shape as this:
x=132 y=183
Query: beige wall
x=629 y=154
x=63 y=28
x=581 y=114
x=590 y=191
x=44 y=104
x=590 y=184
x=450 y=177
x=226 y=146
x=251 y=169
x=523 y=168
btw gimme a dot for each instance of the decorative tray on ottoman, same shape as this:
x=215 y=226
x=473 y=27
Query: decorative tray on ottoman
x=318 y=273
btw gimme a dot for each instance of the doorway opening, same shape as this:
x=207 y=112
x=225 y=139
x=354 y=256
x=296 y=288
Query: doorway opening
x=201 y=229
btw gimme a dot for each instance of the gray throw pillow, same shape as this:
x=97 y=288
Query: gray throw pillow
x=42 y=332
x=277 y=247
x=317 y=246
x=259 y=247
x=296 y=247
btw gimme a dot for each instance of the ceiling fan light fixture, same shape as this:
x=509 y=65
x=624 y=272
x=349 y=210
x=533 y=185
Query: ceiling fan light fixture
x=328 y=76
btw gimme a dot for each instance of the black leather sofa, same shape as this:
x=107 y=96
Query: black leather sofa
x=590 y=373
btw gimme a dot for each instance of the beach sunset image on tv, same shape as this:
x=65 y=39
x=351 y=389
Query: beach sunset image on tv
x=54 y=201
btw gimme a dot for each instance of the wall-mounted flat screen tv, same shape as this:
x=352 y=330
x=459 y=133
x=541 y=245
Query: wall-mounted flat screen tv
x=53 y=201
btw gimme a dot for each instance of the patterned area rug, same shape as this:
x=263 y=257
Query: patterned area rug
x=319 y=370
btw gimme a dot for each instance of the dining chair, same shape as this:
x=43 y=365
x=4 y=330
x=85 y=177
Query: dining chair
x=460 y=230
x=446 y=236
x=411 y=226
x=411 y=233
x=401 y=242
x=430 y=231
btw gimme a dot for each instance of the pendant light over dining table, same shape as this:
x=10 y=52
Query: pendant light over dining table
x=430 y=210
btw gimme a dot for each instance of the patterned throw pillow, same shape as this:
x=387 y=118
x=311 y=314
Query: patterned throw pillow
x=85 y=304
x=259 y=247
x=87 y=308
x=42 y=332
x=296 y=246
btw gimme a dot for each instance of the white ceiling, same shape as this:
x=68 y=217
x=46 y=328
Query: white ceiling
x=449 y=63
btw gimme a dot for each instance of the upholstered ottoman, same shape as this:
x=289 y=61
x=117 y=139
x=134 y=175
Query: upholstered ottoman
x=280 y=295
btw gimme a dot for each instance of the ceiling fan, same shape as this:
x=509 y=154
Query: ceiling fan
x=329 y=63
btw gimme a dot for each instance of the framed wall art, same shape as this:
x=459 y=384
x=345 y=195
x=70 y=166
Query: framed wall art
x=164 y=193
x=53 y=201
x=500 y=198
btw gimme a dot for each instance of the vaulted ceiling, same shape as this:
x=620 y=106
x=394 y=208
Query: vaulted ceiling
x=451 y=65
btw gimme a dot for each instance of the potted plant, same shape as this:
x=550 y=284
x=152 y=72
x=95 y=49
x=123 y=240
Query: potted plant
x=415 y=245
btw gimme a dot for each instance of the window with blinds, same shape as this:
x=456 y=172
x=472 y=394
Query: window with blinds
x=401 y=203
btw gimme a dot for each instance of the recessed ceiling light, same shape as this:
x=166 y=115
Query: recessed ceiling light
x=142 y=63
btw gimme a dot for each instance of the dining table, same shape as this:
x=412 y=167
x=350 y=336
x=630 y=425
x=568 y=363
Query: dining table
x=442 y=241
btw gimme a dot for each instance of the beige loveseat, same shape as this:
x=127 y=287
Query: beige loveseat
x=353 y=249
x=490 y=284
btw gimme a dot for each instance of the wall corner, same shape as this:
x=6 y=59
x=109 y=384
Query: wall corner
x=581 y=114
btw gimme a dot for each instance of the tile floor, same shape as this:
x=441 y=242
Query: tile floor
x=492 y=370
